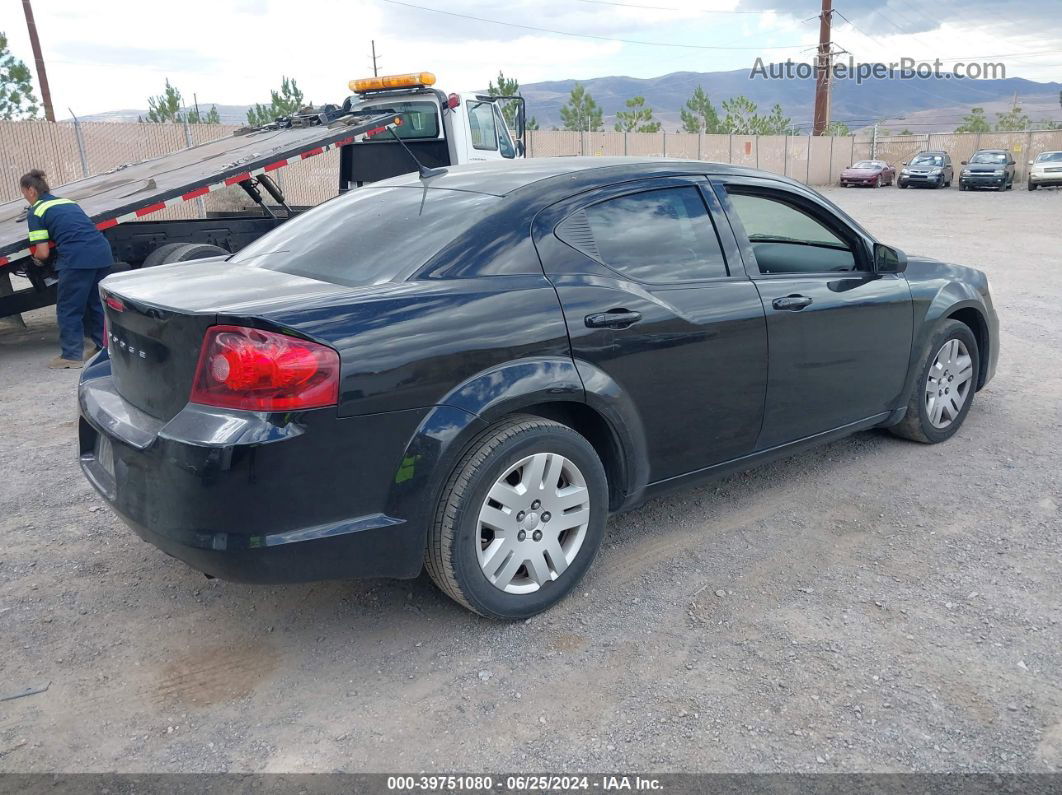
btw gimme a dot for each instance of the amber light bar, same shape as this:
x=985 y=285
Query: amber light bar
x=411 y=80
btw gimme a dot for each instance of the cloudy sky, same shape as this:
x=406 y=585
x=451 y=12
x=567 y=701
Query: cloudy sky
x=111 y=54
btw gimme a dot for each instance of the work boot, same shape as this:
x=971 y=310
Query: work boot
x=59 y=363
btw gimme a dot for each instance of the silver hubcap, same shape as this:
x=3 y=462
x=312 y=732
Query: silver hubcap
x=949 y=383
x=533 y=523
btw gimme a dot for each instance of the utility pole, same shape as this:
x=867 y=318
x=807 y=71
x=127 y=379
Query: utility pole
x=375 y=71
x=874 y=143
x=823 y=62
x=38 y=57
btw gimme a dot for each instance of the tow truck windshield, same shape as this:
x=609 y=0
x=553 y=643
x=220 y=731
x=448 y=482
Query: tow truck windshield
x=420 y=118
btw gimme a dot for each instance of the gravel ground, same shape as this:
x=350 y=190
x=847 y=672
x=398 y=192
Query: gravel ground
x=876 y=605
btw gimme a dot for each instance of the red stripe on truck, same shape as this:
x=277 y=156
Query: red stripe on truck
x=195 y=194
x=312 y=152
x=107 y=224
x=238 y=178
x=276 y=165
x=151 y=208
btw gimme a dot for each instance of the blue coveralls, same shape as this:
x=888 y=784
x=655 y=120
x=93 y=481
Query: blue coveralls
x=83 y=258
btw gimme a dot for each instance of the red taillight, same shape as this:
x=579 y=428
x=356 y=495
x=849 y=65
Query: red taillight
x=246 y=368
x=453 y=101
x=115 y=303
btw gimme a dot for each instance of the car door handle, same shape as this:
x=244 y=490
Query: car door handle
x=613 y=318
x=791 y=303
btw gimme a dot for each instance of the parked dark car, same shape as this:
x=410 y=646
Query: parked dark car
x=471 y=371
x=868 y=173
x=928 y=170
x=988 y=168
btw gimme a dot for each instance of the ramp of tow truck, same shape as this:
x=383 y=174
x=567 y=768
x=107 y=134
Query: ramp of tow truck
x=134 y=191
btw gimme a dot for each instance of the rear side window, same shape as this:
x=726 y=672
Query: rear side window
x=659 y=236
x=369 y=235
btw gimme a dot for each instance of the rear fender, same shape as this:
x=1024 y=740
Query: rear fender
x=473 y=406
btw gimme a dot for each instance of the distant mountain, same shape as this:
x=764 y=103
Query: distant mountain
x=935 y=105
x=857 y=105
x=230 y=114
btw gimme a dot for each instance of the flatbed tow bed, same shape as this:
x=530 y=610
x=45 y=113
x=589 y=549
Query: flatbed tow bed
x=130 y=193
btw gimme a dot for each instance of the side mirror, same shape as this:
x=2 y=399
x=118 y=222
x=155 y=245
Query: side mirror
x=519 y=148
x=905 y=162
x=965 y=163
x=1030 y=162
x=888 y=259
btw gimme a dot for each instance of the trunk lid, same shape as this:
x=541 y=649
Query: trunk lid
x=156 y=320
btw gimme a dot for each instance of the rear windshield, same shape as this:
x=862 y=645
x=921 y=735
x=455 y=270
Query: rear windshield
x=369 y=235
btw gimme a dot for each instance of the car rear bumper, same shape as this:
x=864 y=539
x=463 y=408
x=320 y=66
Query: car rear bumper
x=250 y=496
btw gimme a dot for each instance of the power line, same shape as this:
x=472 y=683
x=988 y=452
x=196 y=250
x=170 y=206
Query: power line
x=673 y=8
x=587 y=35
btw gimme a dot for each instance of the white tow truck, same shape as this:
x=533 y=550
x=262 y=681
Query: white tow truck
x=389 y=126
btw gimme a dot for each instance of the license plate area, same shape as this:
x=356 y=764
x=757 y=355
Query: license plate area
x=105 y=455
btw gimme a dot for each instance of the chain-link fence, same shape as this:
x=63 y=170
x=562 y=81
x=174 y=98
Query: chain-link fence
x=69 y=151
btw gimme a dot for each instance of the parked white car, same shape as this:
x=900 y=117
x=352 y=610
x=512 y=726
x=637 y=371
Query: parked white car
x=1046 y=170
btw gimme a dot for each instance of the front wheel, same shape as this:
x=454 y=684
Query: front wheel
x=520 y=519
x=1033 y=186
x=942 y=396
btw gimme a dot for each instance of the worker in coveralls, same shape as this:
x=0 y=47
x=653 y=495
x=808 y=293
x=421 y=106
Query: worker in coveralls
x=82 y=258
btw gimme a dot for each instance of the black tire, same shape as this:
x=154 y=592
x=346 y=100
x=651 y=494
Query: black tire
x=1033 y=186
x=901 y=185
x=182 y=252
x=963 y=186
x=120 y=267
x=916 y=424
x=451 y=556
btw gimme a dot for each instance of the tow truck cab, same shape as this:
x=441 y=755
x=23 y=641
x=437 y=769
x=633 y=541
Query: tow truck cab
x=439 y=129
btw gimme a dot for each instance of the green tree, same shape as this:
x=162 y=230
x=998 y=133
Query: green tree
x=1047 y=124
x=740 y=118
x=166 y=107
x=532 y=124
x=700 y=114
x=286 y=101
x=838 y=128
x=210 y=117
x=16 y=86
x=637 y=118
x=1012 y=121
x=974 y=122
x=777 y=123
x=581 y=112
x=905 y=131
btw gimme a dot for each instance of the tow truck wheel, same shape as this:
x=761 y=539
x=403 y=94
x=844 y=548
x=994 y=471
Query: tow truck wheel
x=182 y=252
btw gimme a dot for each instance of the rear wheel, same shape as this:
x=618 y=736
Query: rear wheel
x=519 y=520
x=182 y=252
x=878 y=182
x=942 y=396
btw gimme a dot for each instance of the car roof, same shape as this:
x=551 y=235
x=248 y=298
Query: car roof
x=502 y=177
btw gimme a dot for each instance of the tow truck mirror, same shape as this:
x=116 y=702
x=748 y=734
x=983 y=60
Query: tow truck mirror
x=520 y=150
x=888 y=259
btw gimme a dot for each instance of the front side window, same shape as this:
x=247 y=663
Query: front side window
x=786 y=239
x=504 y=140
x=659 y=236
x=483 y=126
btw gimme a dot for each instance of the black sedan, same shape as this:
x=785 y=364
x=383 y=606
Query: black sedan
x=471 y=371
